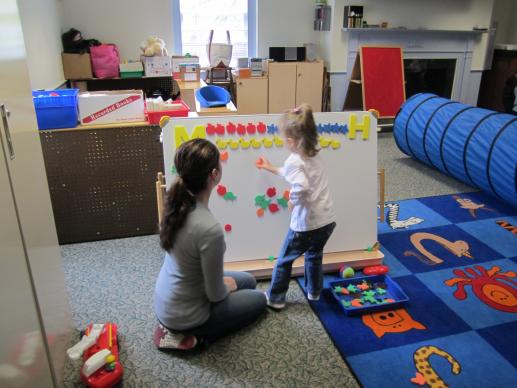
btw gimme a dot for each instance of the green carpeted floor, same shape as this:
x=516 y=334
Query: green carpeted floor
x=114 y=280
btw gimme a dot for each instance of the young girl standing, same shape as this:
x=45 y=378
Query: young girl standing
x=194 y=299
x=312 y=217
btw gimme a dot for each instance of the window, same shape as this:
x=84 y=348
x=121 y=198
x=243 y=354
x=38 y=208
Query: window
x=198 y=17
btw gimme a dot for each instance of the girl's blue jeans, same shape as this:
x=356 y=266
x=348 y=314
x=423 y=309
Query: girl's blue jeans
x=310 y=243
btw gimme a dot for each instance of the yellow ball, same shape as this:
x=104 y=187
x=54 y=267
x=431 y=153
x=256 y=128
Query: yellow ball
x=110 y=359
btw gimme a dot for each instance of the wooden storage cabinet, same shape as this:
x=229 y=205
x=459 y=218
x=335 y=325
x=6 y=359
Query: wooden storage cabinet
x=282 y=86
x=252 y=95
x=309 y=84
x=293 y=83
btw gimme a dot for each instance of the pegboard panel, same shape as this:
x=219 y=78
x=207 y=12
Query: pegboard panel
x=102 y=182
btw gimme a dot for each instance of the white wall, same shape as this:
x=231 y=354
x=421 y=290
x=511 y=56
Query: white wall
x=41 y=23
x=284 y=23
x=123 y=22
x=128 y=22
x=430 y=14
x=505 y=17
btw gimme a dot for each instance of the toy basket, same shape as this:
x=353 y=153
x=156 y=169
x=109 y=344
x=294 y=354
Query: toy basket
x=384 y=292
x=154 y=116
x=56 y=108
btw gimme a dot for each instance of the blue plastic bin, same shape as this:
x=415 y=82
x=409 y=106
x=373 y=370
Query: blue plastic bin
x=211 y=96
x=392 y=292
x=54 y=112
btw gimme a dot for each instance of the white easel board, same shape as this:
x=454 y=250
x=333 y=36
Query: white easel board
x=348 y=146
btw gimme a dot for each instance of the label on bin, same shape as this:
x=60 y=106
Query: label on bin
x=110 y=108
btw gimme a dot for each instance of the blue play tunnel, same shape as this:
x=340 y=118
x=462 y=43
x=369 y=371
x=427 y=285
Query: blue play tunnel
x=474 y=145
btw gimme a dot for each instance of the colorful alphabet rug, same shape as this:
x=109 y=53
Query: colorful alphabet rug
x=455 y=256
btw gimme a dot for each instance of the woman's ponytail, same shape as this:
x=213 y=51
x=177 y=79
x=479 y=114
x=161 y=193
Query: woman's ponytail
x=194 y=161
x=178 y=205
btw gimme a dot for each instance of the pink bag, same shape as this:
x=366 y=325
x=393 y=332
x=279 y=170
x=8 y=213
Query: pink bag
x=105 y=60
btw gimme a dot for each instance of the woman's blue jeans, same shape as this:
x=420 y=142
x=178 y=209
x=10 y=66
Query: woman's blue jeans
x=238 y=309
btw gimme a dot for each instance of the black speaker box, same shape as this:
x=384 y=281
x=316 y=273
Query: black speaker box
x=287 y=54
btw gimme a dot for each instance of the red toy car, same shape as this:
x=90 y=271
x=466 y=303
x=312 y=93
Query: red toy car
x=102 y=367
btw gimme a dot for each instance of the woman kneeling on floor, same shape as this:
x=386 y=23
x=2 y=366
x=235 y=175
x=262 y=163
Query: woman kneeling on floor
x=194 y=299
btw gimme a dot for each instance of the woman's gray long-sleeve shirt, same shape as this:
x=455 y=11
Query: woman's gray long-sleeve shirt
x=191 y=276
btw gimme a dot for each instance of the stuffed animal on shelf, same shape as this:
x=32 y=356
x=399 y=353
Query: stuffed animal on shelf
x=153 y=46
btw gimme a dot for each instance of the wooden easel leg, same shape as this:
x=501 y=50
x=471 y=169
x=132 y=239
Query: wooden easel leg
x=160 y=195
x=382 y=201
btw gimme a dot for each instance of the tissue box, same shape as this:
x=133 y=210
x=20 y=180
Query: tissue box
x=111 y=107
x=157 y=66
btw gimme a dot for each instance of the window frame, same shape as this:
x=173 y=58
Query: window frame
x=252 y=28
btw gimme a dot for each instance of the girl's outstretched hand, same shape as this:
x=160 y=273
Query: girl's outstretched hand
x=264 y=164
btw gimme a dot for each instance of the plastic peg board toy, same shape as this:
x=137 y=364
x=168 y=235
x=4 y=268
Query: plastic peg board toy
x=99 y=350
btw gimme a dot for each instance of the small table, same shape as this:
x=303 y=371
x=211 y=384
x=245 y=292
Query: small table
x=188 y=90
x=229 y=109
x=226 y=81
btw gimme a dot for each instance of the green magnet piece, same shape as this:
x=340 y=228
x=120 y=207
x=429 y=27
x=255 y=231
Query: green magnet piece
x=259 y=200
x=380 y=291
x=351 y=288
x=282 y=202
x=338 y=289
x=271 y=258
x=229 y=196
x=173 y=170
x=264 y=204
x=345 y=303
x=369 y=293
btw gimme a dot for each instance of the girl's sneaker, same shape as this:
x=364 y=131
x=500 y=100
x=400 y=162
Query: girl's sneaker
x=273 y=305
x=165 y=339
x=313 y=297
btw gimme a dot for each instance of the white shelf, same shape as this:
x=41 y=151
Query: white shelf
x=411 y=30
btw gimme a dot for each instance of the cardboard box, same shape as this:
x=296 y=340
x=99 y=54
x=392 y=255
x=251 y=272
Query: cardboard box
x=177 y=60
x=189 y=72
x=111 y=107
x=244 y=73
x=131 y=66
x=131 y=69
x=157 y=66
x=77 y=66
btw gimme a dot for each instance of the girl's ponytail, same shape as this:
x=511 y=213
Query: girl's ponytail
x=298 y=123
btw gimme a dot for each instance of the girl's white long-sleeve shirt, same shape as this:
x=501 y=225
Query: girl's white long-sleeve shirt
x=309 y=192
